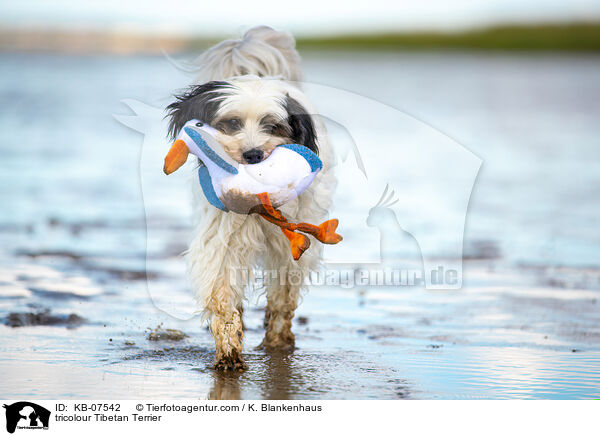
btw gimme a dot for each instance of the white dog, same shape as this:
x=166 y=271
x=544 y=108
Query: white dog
x=247 y=89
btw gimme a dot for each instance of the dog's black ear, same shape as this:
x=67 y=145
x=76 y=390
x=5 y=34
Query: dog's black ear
x=301 y=124
x=200 y=102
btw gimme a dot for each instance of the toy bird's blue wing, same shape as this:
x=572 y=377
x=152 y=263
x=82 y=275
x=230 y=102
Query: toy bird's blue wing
x=208 y=189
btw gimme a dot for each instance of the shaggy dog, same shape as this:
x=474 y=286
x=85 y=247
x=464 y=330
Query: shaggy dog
x=247 y=89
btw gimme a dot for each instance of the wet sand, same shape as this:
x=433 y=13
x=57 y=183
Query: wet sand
x=504 y=335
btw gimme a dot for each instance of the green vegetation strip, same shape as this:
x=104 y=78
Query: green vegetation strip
x=551 y=37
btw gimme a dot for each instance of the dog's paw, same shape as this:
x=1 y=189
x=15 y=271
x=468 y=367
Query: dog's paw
x=275 y=348
x=232 y=363
x=280 y=342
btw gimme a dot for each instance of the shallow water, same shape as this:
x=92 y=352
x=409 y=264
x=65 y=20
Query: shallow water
x=526 y=323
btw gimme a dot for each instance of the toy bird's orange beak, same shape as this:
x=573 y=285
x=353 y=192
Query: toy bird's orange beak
x=176 y=156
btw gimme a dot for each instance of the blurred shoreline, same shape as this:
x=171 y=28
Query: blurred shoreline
x=565 y=37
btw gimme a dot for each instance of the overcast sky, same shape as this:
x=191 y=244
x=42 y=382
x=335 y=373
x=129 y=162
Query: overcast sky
x=215 y=18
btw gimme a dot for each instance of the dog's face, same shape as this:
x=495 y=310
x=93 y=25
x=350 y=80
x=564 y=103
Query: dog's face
x=252 y=115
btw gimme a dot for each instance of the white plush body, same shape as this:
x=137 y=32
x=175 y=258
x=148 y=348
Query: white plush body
x=284 y=175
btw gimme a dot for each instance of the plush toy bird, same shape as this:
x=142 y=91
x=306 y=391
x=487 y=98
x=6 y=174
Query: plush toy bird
x=256 y=188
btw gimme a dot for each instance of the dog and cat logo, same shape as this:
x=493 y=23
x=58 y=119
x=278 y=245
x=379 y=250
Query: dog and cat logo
x=26 y=415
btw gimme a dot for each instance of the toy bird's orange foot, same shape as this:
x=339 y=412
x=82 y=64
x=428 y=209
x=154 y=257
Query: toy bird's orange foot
x=298 y=242
x=327 y=234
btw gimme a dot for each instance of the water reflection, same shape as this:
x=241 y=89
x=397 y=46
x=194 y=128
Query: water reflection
x=273 y=374
x=226 y=386
x=279 y=378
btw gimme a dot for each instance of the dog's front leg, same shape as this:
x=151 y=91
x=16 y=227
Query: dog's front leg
x=225 y=314
x=212 y=259
x=282 y=300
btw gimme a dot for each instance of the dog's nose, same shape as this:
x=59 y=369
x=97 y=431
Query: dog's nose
x=253 y=156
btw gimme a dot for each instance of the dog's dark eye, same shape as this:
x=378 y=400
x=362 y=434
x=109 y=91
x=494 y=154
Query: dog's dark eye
x=276 y=129
x=234 y=124
x=199 y=124
x=229 y=126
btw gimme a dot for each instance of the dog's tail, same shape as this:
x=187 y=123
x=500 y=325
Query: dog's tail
x=262 y=51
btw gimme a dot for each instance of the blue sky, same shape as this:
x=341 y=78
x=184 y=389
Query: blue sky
x=306 y=17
